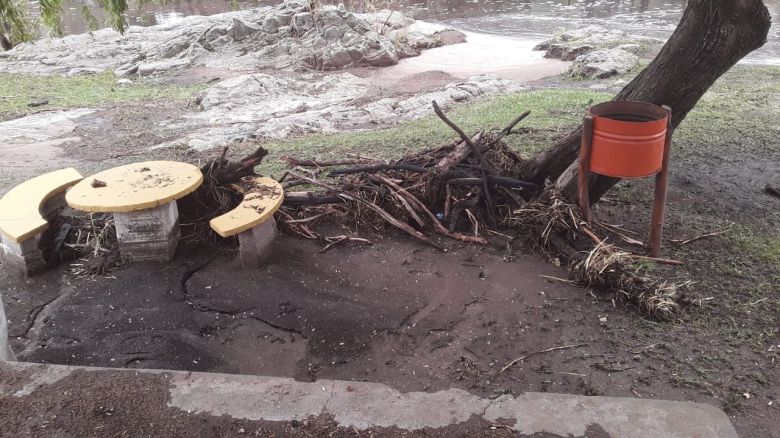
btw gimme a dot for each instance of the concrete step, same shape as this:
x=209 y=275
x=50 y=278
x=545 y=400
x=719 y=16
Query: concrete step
x=208 y=397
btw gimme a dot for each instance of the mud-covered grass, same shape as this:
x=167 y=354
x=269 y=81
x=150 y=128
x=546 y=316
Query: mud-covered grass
x=18 y=91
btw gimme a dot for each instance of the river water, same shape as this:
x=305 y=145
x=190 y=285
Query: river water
x=522 y=19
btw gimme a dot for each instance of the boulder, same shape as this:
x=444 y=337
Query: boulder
x=571 y=44
x=242 y=30
x=601 y=64
x=157 y=67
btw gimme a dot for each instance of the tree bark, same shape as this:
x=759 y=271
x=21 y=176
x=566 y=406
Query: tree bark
x=711 y=37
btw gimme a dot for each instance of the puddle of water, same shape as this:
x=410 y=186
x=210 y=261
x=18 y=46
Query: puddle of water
x=524 y=19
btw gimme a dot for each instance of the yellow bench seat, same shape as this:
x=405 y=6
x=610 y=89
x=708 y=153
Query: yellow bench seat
x=262 y=198
x=20 y=208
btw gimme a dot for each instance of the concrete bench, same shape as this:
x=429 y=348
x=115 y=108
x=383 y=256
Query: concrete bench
x=25 y=212
x=253 y=220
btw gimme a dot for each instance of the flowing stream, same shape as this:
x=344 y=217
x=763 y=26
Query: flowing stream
x=521 y=19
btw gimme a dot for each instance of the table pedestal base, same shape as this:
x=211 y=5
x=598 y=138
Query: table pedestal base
x=150 y=234
x=254 y=245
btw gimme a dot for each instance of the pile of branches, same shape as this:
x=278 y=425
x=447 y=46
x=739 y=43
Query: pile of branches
x=458 y=190
x=467 y=190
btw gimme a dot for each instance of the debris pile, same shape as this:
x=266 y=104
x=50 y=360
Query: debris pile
x=468 y=190
x=457 y=190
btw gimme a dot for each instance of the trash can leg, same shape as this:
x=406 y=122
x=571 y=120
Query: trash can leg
x=582 y=176
x=659 y=202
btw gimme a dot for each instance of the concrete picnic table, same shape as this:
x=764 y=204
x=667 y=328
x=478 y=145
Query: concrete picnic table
x=142 y=198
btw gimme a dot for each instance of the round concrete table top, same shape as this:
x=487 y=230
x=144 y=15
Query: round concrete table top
x=133 y=187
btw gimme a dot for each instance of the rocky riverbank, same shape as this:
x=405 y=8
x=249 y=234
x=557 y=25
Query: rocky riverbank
x=290 y=36
x=286 y=70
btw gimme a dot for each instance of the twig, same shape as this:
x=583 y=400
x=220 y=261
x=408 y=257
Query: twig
x=474 y=149
x=341 y=239
x=521 y=358
x=508 y=130
x=694 y=239
x=314 y=163
x=308 y=219
x=222 y=159
x=655 y=259
x=374 y=168
x=335 y=242
x=498 y=180
x=557 y=279
x=618 y=233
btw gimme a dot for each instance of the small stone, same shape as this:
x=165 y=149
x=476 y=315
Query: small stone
x=124 y=82
x=38 y=102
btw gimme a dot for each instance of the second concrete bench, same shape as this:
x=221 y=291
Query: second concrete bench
x=253 y=220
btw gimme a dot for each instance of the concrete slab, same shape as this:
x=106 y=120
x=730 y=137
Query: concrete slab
x=365 y=405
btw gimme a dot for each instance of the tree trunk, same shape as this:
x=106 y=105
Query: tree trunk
x=712 y=36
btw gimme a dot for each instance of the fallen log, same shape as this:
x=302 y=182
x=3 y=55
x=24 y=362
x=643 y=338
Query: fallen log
x=309 y=198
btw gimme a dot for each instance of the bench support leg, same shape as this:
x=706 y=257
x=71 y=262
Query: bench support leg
x=150 y=234
x=5 y=348
x=24 y=257
x=254 y=245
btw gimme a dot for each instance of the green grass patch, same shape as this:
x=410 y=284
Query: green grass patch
x=738 y=114
x=17 y=91
x=762 y=248
x=553 y=112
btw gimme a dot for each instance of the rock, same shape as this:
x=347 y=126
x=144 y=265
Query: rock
x=262 y=106
x=285 y=36
x=599 y=87
x=38 y=102
x=336 y=59
x=82 y=71
x=124 y=82
x=601 y=64
x=271 y=24
x=242 y=30
x=150 y=68
x=386 y=20
x=333 y=33
x=566 y=52
x=571 y=44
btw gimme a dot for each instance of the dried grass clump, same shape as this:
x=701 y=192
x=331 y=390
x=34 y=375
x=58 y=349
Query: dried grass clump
x=556 y=227
x=609 y=268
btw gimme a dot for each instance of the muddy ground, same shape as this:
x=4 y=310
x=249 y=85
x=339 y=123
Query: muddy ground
x=417 y=319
